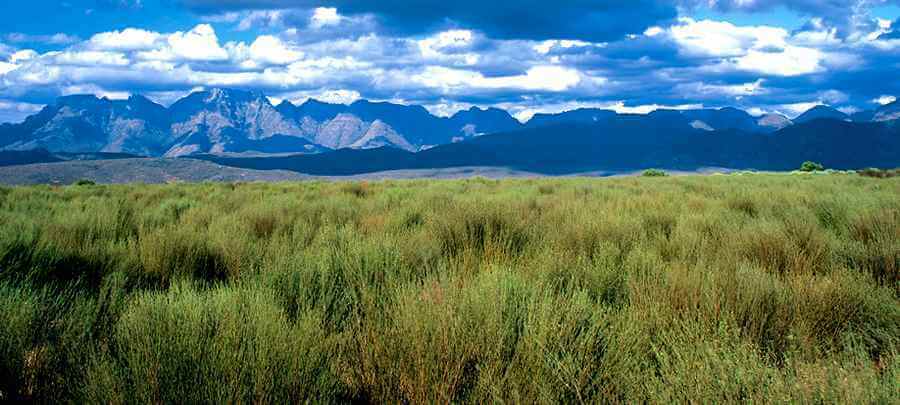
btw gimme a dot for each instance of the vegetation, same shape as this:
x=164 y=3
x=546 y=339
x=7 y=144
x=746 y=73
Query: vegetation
x=756 y=288
x=654 y=173
x=879 y=173
x=811 y=167
x=85 y=182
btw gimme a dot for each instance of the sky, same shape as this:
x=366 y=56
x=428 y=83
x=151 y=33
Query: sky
x=526 y=56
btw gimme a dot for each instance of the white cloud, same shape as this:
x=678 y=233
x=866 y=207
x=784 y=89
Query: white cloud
x=271 y=50
x=260 y=18
x=525 y=113
x=91 y=58
x=23 y=55
x=760 y=49
x=198 y=44
x=14 y=111
x=884 y=100
x=794 y=110
x=324 y=16
x=791 y=61
x=448 y=70
x=621 y=108
x=333 y=96
x=849 y=110
x=833 y=97
x=705 y=90
x=6 y=67
x=125 y=40
x=545 y=47
x=450 y=46
x=19 y=106
x=16 y=60
x=96 y=90
x=820 y=37
x=723 y=39
x=446 y=108
x=653 y=31
x=547 y=78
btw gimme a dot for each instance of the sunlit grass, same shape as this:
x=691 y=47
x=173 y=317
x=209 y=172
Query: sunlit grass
x=763 y=288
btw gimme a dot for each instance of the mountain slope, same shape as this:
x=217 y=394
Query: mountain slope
x=90 y=124
x=476 y=121
x=216 y=121
x=889 y=112
x=706 y=119
x=821 y=112
x=234 y=122
x=581 y=147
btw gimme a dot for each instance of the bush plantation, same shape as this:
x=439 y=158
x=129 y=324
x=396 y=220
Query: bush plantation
x=758 y=288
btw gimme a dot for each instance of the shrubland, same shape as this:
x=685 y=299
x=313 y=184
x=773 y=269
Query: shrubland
x=762 y=288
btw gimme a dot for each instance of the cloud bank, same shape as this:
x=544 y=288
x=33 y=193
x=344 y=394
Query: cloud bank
x=535 y=56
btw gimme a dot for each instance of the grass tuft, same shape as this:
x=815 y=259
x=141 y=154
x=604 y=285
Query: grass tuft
x=762 y=288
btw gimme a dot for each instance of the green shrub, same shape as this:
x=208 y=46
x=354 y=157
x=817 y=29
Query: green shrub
x=227 y=345
x=763 y=288
x=654 y=173
x=879 y=173
x=811 y=167
x=85 y=182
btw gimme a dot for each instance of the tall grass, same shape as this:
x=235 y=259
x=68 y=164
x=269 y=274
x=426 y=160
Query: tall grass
x=758 y=288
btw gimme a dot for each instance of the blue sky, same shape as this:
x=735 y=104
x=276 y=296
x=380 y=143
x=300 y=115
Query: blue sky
x=526 y=56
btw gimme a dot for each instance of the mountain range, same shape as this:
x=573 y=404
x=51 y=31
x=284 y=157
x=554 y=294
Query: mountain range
x=225 y=121
x=244 y=129
x=619 y=143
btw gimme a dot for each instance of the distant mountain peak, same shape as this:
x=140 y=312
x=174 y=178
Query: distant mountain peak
x=228 y=121
x=888 y=112
x=79 y=100
x=821 y=111
x=219 y=94
x=138 y=98
x=316 y=102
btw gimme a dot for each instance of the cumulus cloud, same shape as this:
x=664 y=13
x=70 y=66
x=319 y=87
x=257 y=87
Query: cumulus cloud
x=719 y=38
x=790 y=61
x=324 y=16
x=341 y=53
x=198 y=44
x=271 y=50
x=884 y=100
x=14 y=111
x=129 y=39
x=714 y=91
x=538 y=78
x=89 y=58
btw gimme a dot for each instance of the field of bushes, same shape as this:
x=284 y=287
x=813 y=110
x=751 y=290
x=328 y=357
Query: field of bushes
x=762 y=288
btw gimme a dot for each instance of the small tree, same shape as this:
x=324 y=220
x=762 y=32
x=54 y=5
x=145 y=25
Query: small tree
x=811 y=167
x=654 y=173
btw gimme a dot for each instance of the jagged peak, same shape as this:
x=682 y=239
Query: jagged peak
x=365 y=103
x=139 y=97
x=286 y=104
x=733 y=110
x=218 y=94
x=312 y=101
x=78 y=98
x=822 y=107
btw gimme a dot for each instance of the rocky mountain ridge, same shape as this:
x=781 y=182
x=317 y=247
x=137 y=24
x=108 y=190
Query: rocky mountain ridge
x=238 y=123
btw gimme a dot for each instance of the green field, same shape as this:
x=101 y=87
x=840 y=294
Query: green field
x=763 y=288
